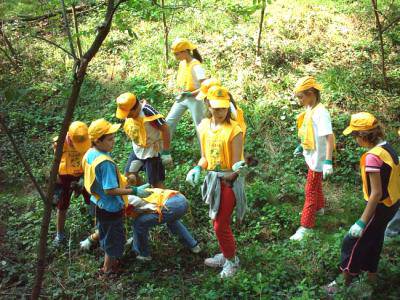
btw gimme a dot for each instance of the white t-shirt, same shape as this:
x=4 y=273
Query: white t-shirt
x=322 y=126
x=198 y=74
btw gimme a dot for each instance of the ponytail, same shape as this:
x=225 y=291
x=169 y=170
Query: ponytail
x=196 y=55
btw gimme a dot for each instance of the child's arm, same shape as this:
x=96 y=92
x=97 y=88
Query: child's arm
x=374 y=197
x=237 y=148
x=329 y=146
x=166 y=137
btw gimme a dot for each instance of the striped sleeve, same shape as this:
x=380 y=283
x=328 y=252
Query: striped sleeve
x=148 y=110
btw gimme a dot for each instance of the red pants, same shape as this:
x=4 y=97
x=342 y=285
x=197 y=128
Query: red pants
x=314 y=198
x=222 y=223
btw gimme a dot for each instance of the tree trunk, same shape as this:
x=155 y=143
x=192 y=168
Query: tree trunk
x=379 y=28
x=260 y=27
x=79 y=70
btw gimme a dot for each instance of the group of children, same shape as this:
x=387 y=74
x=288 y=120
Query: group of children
x=221 y=131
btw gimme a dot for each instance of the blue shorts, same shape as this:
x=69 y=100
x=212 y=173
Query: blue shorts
x=112 y=236
x=152 y=166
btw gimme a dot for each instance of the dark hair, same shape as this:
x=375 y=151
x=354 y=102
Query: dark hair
x=99 y=139
x=136 y=105
x=196 y=54
x=232 y=101
x=372 y=136
x=209 y=115
x=315 y=92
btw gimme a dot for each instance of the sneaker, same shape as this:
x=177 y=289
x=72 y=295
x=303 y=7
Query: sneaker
x=215 y=262
x=143 y=258
x=230 y=267
x=300 y=233
x=86 y=244
x=59 y=240
x=320 y=212
x=196 y=249
x=129 y=242
x=331 y=288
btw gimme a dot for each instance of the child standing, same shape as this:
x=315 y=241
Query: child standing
x=190 y=76
x=380 y=173
x=69 y=172
x=317 y=142
x=108 y=189
x=147 y=129
x=221 y=140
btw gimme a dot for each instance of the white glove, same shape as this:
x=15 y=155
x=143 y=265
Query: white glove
x=166 y=158
x=193 y=176
x=357 y=229
x=135 y=166
x=241 y=167
x=129 y=241
x=85 y=244
x=327 y=169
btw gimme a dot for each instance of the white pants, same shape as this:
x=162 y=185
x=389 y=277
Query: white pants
x=195 y=107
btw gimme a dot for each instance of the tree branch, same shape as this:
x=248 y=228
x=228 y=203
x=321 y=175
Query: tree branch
x=66 y=26
x=54 y=44
x=78 y=40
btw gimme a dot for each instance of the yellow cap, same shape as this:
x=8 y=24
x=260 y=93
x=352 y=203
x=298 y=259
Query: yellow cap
x=306 y=83
x=101 y=127
x=78 y=133
x=218 y=96
x=181 y=44
x=205 y=86
x=360 y=122
x=125 y=102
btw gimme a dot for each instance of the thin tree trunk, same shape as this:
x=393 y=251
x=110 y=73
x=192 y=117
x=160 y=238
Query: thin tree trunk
x=166 y=31
x=260 y=27
x=379 y=28
x=79 y=75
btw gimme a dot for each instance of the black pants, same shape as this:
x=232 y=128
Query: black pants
x=363 y=254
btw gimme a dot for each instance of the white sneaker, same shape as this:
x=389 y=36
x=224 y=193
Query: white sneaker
x=196 y=249
x=144 y=258
x=215 y=262
x=129 y=241
x=320 y=212
x=85 y=244
x=230 y=267
x=300 y=233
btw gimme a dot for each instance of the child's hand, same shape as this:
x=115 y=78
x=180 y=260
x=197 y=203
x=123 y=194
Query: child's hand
x=357 y=229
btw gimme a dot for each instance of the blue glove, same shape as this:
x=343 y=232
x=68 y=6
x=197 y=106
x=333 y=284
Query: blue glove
x=298 y=151
x=140 y=191
x=357 y=229
x=193 y=176
x=241 y=167
x=166 y=158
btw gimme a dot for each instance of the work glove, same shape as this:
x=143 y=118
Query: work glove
x=166 y=158
x=135 y=166
x=86 y=244
x=241 y=167
x=140 y=191
x=327 y=168
x=298 y=151
x=357 y=229
x=193 y=176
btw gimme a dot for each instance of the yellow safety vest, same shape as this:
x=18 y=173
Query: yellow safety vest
x=216 y=144
x=135 y=129
x=70 y=163
x=393 y=188
x=90 y=175
x=185 y=78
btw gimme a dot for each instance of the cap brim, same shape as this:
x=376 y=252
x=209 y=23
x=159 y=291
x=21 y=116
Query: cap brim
x=114 y=128
x=121 y=114
x=348 y=130
x=201 y=96
x=219 y=103
x=83 y=146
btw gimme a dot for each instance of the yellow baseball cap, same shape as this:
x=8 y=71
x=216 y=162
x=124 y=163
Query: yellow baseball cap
x=361 y=121
x=306 y=83
x=101 y=127
x=218 y=96
x=180 y=44
x=78 y=133
x=125 y=102
x=205 y=86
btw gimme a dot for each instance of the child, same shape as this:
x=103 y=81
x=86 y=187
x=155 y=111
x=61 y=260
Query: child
x=380 y=173
x=221 y=140
x=69 y=172
x=147 y=129
x=190 y=76
x=108 y=189
x=317 y=142
x=237 y=112
x=162 y=207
